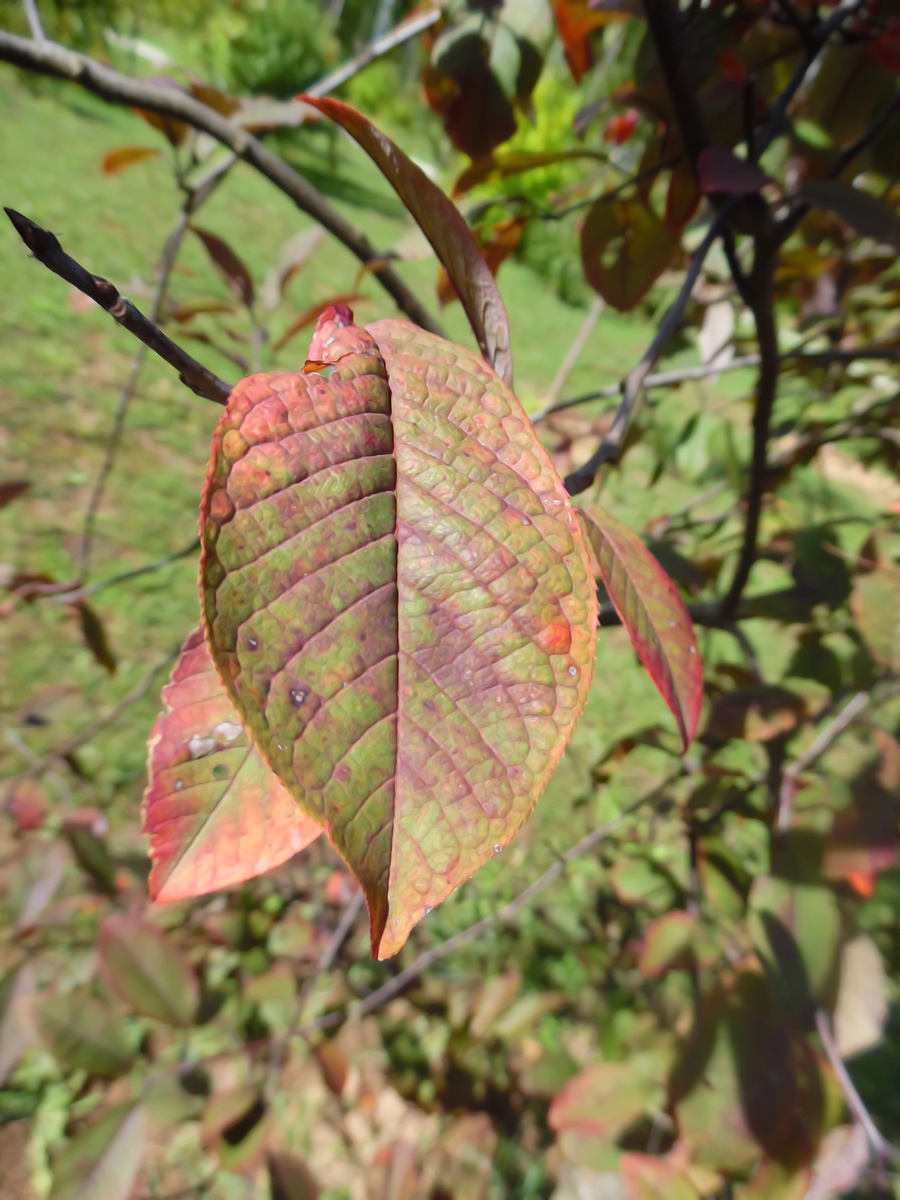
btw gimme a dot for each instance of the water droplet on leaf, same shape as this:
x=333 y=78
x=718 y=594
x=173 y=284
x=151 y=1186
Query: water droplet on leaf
x=573 y=671
x=179 y=784
x=252 y=643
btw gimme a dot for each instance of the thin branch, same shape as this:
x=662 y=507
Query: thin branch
x=49 y=58
x=46 y=249
x=882 y=1149
x=407 y=29
x=82 y=593
x=762 y=306
x=582 y=337
x=34 y=20
x=668 y=40
x=170 y=253
x=818 y=37
x=340 y=935
x=818 y=358
x=816 y=749
x=503 y=916
x=90 y=731
x=610 y=447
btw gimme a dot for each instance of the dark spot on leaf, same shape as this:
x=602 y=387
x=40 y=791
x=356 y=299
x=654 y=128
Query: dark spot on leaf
x=252 y=643
x=429 y=706
x=220 y=771
x=297 y=696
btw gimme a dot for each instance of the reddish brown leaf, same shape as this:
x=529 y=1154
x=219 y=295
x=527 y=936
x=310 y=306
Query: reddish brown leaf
x=125 y=157
x=442 y=224
x=174 y=131
x=27 y=804
x=213 y=98
x=228 y=265
x=722 y=171
x=12 y=490
x=290 y=1178
x=496 y=246
x=214 y=812
x=183 y=313
x=666 y=944
x=94 y=634
x=654 y=614
x=352 y=517
x=624 y=249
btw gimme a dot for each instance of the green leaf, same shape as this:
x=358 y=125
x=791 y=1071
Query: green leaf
x=624 y=249
x=876 y=605
x=654 y=614
x=441 y=222
x=796 y=931
x=214 y=811
x=83 y=1032
x=142 y=968
x=399 y=602
x=103 y=1162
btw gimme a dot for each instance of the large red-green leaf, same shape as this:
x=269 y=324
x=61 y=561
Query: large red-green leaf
x=654 y=614
x=214 y=812
x=624 y=249
x=443 y=225
x=398 y=598
x=142 y=967
x=606 y=1098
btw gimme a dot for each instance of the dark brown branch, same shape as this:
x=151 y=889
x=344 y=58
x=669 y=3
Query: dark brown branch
x=49 y=58
x=610 y=447
x=668 y=40
x=762 y=305
x=46 y=249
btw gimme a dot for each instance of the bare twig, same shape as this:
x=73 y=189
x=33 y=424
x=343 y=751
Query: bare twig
x=611 y=445
x=503 y=916
x=408 y=28
x=46 y=249
x=90 y=731
x=819 y=358
x=34 y=20
x=49 y=58
x=762 y=305
x=170 y=253
x=829 y=734
x=568 y=364
x=340 y=935
x=82 y=593
x=882 y=1149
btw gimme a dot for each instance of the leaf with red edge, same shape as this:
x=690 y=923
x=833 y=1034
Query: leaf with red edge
x=721 y=170
x=125 y=157
x=441 y=222
x=214 y=812
x=228 y=264
x=398 y=599
x=497 y=245
x=649 y=1178
x=654 y=614
x=624 y=249
x=605 y=1098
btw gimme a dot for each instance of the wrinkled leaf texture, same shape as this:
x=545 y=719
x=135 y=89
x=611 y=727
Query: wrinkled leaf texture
x=215 y=813
x=397 y=596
